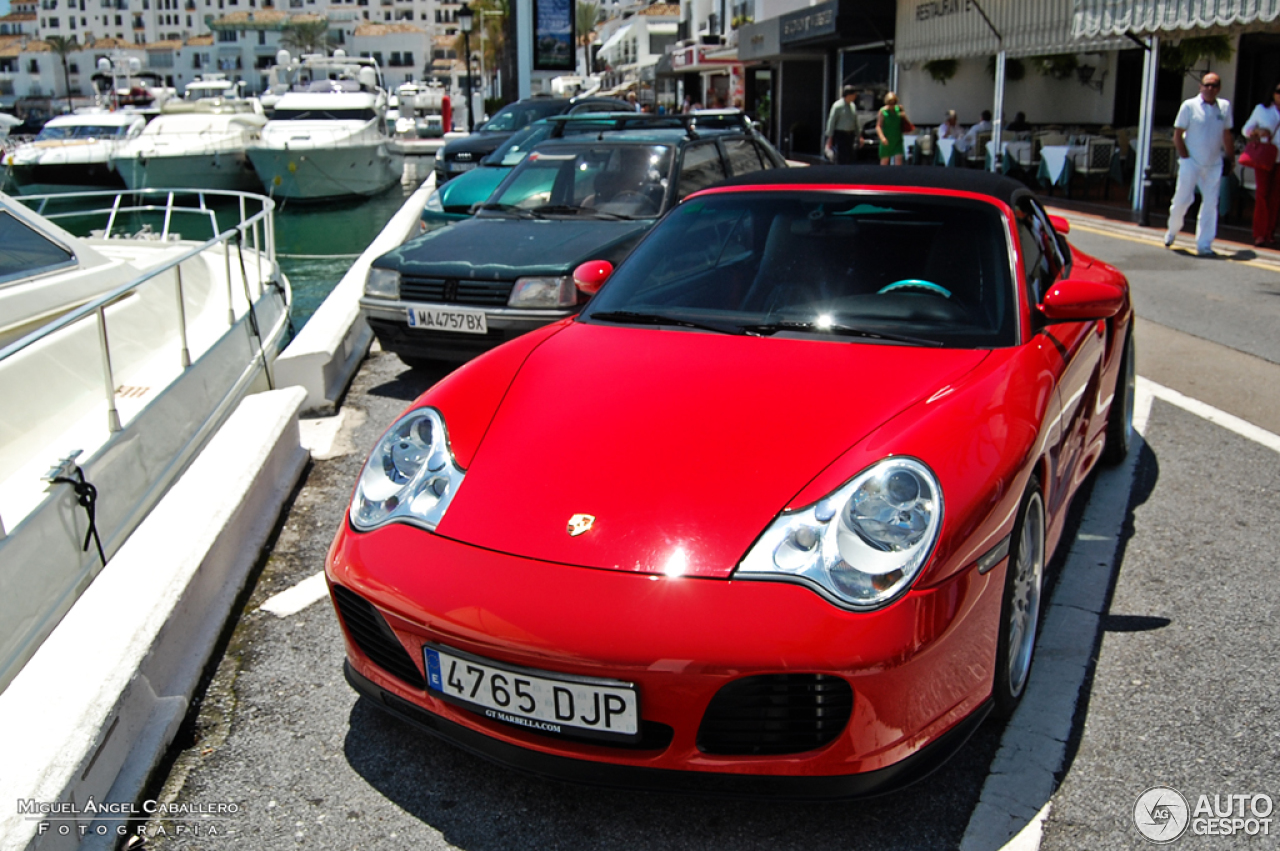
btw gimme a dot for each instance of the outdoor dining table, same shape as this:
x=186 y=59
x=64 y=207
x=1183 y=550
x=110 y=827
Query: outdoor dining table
x=945 y=152
x=1059 y=162
x=1012 y=154
x=909 y=147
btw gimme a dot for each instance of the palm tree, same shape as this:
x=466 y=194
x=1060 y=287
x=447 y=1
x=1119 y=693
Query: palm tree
x=306 y=37
x=63 y=46
x=587 y=15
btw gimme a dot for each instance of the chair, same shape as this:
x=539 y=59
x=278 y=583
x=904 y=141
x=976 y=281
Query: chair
x=1162 y=168
x=924 y=149
x=1098 y=154
x=977 y=156
x=1052 y=139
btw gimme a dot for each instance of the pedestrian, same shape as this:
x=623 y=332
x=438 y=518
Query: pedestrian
x=842 y=129
x=687 y=106
x=1202 y=135
x=891 y=123
x=631 y=99
x=1263 y=126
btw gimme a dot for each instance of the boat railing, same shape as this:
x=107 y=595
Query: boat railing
x=257 y=228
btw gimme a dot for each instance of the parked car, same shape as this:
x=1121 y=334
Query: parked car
x=771 y=515
x=453 y=293
x=460 y=197
x=464 y=154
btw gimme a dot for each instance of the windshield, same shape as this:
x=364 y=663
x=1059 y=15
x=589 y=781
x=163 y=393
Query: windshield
x=515 y=149
x=82 y=131
x=519 y=115
x=613 y=180
x=323 y=115
x=900 y=267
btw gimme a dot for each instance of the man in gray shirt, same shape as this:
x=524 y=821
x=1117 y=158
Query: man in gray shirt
x=842 y=129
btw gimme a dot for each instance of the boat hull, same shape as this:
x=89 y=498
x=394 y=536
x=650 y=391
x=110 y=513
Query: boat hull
x=30 y=177
x=229 y=170
x=321 y=173
x=179 y=367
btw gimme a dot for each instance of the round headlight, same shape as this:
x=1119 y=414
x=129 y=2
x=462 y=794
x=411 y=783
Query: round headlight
x=410 y=474
x=864 y=544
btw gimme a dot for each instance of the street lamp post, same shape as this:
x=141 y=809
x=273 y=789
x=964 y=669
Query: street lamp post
x=466 y=19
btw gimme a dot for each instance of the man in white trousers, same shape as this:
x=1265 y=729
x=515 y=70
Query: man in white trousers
x=1202 y=135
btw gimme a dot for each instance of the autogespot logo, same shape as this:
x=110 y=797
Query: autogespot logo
x=1161 y=814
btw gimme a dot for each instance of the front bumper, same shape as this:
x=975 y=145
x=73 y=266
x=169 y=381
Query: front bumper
x=920 y=670
x=389 y=322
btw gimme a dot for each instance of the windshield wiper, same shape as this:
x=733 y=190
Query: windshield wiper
x=836 y=328
x=638 y=318
x=558 y=209
x=523 y=212
x=605 y=214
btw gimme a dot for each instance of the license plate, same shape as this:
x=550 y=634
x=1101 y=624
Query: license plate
x=460 y=166
x=449 y=319
x=559 y=704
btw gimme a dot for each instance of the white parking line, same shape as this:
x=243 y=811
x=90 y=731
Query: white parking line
x=1017 y=795
x=295 y=599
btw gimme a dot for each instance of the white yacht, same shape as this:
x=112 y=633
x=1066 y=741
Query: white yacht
x=196 y=143
x=74 y=150
x=327 y=136
x=122 y=351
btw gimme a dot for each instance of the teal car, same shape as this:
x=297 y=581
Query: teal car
x=460 y=197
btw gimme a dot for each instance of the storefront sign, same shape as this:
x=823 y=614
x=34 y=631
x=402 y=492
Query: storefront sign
x=811 y=23
x=941 y=8
x=553 y=22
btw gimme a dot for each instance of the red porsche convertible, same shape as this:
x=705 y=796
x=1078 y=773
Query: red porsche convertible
x=771 y=514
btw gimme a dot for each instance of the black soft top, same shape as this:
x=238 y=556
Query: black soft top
x=997 y=186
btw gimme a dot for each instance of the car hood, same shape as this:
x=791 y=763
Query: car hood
x=471 y=187
x=478 y=143
x=502 y=249
x=682 y=446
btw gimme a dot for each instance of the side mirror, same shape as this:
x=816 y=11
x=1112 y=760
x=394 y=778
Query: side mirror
x=1060 y=224
x=1081 y=301
x=590 y=276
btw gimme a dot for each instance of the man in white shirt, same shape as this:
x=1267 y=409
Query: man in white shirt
x=1202 y=135
x=970 y=140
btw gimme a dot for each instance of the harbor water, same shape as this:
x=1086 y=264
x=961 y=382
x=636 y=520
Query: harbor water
x=316 y=242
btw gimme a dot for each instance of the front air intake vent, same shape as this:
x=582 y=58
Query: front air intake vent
x=776 y=714
x=370 y=632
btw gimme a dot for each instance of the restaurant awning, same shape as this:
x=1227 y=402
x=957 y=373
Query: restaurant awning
x=1094 y=18
x=956 y=29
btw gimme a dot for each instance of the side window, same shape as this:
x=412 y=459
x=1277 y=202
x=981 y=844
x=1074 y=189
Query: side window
x=764 y=156
x=1038 y=260
x=743 y=156
x=1057 y=248
x=702 y=167
x=23 y=251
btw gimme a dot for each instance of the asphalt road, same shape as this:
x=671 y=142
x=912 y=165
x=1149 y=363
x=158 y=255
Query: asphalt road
x=1188 y=702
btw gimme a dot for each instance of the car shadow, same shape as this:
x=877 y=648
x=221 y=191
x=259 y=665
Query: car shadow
x=479 y=806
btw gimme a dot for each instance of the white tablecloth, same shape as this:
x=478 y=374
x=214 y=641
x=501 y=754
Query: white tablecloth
x=946 y=147
x=1055 y=158
x=908 y=144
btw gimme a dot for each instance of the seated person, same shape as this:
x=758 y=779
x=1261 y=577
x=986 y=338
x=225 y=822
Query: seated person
x=1018 y=124
x=950 y=127
x=970 y=140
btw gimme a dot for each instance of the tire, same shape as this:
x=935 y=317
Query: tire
x=1020 y=606
x=1120 y=417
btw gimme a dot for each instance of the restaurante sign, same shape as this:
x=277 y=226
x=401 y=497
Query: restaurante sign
x=941 y=8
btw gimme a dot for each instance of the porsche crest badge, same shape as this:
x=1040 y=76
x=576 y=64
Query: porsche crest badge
x=580 y=524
